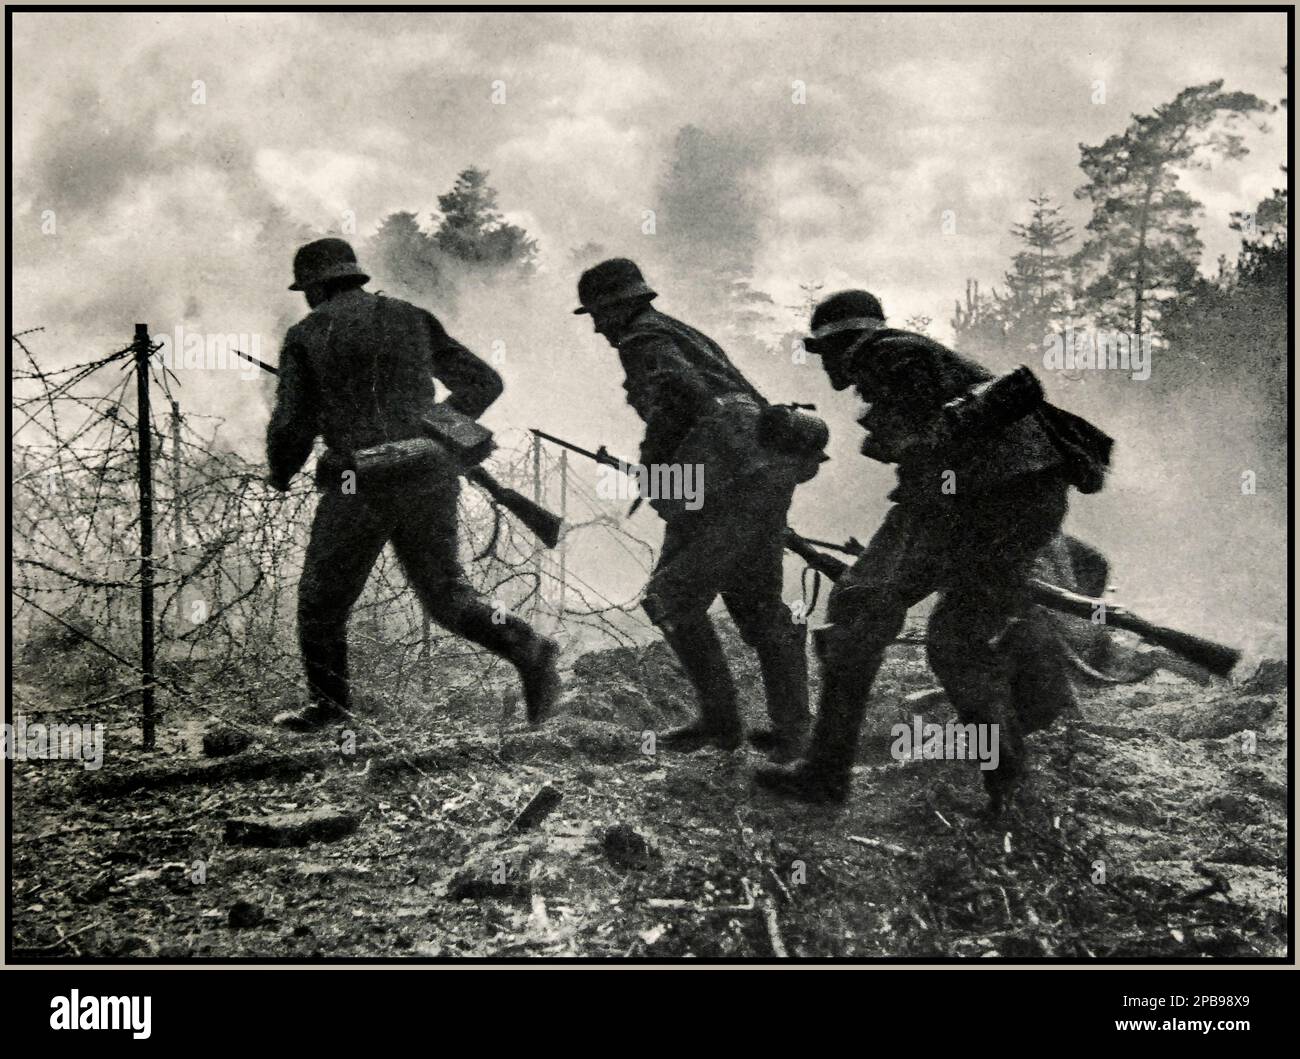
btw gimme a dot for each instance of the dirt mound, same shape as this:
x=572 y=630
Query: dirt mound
x=1154 y=825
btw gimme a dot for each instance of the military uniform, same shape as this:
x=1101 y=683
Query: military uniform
x=359 y=371
x=968 y=523
x=700 y=410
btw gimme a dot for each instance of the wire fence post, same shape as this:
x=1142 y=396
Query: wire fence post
x=564 y=512
x=178 y=546
x=144 y=457
x=537 y=499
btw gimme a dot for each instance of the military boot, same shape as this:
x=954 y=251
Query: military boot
x=784 y=664
x=513 y=639
x=1005 y=782
x=541 y=679
x=696 y=644
x=824 y=775
x=326 y=667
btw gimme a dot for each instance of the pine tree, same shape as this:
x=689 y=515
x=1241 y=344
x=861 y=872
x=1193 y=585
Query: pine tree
x=473 y=230
x=403 y=255
x=1037 y=295
x=1265 y=253
x=978 y=326
x=1142 y=246
x=1235 y=326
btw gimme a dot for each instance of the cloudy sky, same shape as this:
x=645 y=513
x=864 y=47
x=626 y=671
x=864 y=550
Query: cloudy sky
x=906 y=116
x=158 y=198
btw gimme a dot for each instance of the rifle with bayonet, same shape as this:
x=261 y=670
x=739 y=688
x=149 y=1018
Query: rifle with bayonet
x=465 y=441
x=1218 y=658
x=601 y=456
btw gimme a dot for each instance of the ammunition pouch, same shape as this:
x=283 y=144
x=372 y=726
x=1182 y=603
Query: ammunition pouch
x=451 y=445
x=389 y=464
x=787 y=430
x=468 y=440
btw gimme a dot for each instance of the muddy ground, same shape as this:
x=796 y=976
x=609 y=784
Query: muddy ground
x=1155 y=825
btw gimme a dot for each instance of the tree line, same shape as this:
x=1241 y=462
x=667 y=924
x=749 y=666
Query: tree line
x=1135 y=267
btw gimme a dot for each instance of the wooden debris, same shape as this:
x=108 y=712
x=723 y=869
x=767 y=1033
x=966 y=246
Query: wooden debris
x=265 y=765
x=540 y=806
x=886 y=847
x=290 y=829
x=774 y=931
x=105 y=784
x=500 y=873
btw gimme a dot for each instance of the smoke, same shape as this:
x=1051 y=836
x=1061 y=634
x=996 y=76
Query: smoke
x=178 y=213
x=1194 y=514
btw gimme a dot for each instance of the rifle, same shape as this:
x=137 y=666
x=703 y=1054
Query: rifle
x=544 y=524
x=803 y=547
x=828 y=565
x=1218 y=658
x=601 y=456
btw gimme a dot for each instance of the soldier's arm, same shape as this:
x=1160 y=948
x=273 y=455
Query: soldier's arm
x=473 y=383
x=672 y=396
x=294 y=420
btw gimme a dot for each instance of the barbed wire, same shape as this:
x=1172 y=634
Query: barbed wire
x=228 y=549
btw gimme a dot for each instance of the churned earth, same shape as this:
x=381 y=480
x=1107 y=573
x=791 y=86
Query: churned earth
x=1155 y=826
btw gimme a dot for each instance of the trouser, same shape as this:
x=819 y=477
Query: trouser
x=733 y=547
x=994 y=653
x=350 y=530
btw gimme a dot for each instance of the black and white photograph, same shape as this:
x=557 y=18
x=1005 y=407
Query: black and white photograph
x=665 y=487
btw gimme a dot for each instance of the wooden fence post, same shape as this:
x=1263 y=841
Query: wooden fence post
x=144 y=457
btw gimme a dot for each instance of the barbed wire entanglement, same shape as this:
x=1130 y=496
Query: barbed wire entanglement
x=228 y=550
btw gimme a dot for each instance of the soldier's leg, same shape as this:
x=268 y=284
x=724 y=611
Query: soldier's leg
x=677 y=599
x=767 y=625
x=969 y=648
x=347 y=536
x=753 y=594
x=986 y=644
x=425 y=542
x=1041 y=687
x=866 y=610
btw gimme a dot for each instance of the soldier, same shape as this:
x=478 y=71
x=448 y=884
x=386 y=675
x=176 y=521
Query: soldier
x=968 y=524
x=700 y=411
x=359 y=370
